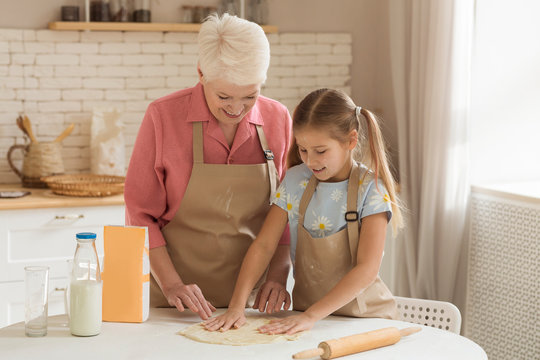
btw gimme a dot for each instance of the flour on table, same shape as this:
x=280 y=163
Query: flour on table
x=245 y=335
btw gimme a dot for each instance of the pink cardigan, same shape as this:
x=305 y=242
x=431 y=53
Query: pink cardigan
x=162 y=158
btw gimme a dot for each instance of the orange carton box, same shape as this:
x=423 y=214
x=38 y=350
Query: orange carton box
x=126 y=274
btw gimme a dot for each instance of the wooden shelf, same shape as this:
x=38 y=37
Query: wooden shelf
x=133 y=26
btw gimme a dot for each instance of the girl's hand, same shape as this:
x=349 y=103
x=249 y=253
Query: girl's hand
x=231 y=319
x=289 y=325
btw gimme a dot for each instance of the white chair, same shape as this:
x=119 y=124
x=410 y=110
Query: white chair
x=438 y=314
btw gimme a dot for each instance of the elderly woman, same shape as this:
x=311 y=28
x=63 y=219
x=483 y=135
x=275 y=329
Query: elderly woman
x=205 y=163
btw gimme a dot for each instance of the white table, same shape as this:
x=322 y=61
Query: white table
x=157 y=339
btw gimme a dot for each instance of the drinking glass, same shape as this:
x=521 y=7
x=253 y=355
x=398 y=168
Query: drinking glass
x=36 y=300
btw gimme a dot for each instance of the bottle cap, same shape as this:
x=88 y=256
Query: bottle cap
x=86 y=235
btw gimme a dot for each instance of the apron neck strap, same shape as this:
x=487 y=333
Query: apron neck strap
x=306 y=197
x=269 y=156
x=352 y=216
x=197 y=142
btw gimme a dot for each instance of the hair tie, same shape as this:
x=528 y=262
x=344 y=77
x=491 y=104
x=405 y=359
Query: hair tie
x=358 y=111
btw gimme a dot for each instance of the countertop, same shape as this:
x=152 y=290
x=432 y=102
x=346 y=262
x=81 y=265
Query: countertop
x=157 y=339
x=44 y=198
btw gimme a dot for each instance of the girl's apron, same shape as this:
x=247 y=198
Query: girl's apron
x=222 y=211
x=320 y=263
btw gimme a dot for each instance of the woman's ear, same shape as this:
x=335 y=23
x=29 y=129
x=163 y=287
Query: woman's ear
x=201 y=77
x=353 y=139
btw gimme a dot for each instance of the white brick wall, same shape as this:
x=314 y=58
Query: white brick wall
x=58 y=77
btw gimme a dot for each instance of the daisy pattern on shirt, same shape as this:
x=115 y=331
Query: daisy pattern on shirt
x=322 y=225
x=378 y=200
x=292 y=204
x=280 y=192
x=362 y=185
x=336 y=195
x=303 y=183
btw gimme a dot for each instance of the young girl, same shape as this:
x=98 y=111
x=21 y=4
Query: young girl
x=337 y=210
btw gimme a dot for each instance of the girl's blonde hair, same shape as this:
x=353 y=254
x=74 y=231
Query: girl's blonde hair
x=233 y=49
x=334 y=112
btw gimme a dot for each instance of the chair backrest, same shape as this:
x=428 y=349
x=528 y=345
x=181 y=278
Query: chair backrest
x=438 y=314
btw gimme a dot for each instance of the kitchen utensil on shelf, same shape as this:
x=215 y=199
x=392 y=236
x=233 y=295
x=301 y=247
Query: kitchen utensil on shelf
x=142 y=11
x=70 y=13
x=187 y=14
x=257 y=11
x=100 y=10
x=120 y=10
x=40 y=159
x=65 y=133
x=28 y=127
x=331 y=349
x=229 y=6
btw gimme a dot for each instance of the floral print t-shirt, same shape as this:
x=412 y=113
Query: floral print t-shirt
x=325 y=214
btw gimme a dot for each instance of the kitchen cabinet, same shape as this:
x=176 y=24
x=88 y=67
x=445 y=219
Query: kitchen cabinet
x=40 y=230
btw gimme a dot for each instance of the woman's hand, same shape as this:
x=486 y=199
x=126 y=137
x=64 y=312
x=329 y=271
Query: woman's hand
x=190 y=296
x=271 y=297
x=289 y=325
x=231 y=319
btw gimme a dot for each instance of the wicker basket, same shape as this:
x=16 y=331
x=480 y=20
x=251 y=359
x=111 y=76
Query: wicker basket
x=87 y=185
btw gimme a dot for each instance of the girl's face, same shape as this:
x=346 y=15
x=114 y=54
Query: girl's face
x=229 y=103
x=330 y=160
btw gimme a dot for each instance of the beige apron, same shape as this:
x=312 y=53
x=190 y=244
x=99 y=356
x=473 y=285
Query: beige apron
x=222 y=211
x=320 y=263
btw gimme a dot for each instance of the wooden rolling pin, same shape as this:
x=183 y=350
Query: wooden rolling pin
x=353 y=344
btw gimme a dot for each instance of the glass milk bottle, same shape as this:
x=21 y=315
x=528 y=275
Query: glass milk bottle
x=85 y=288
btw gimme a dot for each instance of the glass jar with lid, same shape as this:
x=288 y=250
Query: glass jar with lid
x=100 y=10
x=120 y=10
x=258 y=11
x=142 y=11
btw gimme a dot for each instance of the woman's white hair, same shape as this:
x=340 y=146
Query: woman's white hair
x=233 y=49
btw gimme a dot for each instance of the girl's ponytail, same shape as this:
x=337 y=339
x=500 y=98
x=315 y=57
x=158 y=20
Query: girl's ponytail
x=376 y=159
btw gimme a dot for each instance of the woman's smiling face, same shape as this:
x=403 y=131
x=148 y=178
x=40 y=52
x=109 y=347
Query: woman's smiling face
x=228 y=102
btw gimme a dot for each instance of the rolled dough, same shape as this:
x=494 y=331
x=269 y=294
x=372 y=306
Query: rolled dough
x=246 y=335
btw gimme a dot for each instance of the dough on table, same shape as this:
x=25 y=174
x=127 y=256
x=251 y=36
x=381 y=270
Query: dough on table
x=245 y=335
